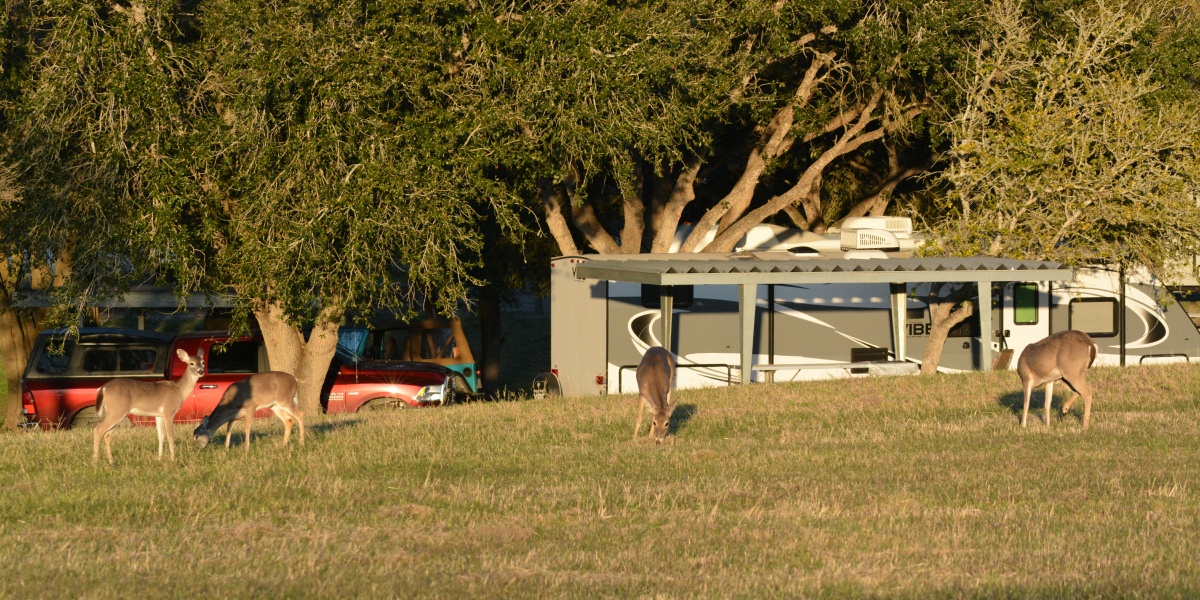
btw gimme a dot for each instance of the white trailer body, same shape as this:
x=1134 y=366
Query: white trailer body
x=599 y=329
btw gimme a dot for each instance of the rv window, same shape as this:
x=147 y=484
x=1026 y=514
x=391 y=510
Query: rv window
x=1025 y=303
x=1094 y=316
x=651 y=296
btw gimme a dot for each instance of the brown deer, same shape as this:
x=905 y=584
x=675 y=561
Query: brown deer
x=159 y=399
x=1065 y=355
x=275 y=390
x=655 y=378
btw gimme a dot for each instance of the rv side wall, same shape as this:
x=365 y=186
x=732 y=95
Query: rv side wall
x=578 y=318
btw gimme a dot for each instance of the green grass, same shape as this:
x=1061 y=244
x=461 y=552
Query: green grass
x=898 y=487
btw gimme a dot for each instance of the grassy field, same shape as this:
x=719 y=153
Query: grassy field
x=898 y=487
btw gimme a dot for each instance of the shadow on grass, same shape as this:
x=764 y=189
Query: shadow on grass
x=257 y=435
x=679 y=419
x=1015 y=402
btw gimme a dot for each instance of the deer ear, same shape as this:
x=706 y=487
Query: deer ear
x=181 y=354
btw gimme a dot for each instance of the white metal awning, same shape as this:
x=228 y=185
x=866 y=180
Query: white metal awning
x=750 y=269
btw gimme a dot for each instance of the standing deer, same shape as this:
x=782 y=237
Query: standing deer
x=1064 y=355
x=655 y=378
x=159 y=399
x=275 y=390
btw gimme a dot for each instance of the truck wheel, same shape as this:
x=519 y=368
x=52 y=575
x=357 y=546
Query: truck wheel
x=88 y=419
x=383 y=404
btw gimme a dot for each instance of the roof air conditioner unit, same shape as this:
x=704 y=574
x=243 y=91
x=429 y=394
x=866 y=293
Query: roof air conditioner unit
x=864 y=254
x=869 y=239
x=900 y=226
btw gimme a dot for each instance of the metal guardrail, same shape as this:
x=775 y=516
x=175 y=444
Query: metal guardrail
x=1185 y=357
x=728 y=371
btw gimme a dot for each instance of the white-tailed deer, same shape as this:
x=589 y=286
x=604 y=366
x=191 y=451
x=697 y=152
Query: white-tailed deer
x=159 y=399
x=275 y=390
x=1065 y=355
x=655 y=378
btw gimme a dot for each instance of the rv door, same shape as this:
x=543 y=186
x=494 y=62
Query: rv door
x=1024 y=316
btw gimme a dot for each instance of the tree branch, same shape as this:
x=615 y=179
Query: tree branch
x=667 y=220
x=850 y=140
x=553 y=201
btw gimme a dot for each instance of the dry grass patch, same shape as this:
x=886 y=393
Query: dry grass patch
x=867 y=487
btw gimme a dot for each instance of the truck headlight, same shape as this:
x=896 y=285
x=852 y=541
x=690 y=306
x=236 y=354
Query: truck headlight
x=431 y=394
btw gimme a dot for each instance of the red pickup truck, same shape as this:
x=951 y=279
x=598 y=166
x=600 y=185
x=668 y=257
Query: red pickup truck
x=59 y=388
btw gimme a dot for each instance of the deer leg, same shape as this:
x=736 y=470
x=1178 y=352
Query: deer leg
x=1049 y=399
x=287 y=422
x=158 y=424
x=300 y=421
x=108 y=445
x=1083 y=389
x=169 y=426
x=1028 y=393
x=96 y=435
x=228 y=432
x=249 y=422
x=103 y=430
x=638 y=425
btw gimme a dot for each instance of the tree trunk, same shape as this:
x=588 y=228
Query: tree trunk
x=18 y=330
x=307 y=359
x=491 y=338
x=942 y=318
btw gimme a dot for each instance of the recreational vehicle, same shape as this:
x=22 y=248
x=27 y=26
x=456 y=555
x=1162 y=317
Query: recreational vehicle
x=600 y=329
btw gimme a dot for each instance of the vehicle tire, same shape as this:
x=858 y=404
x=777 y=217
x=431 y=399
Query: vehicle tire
x=383 y=404
x=88 y=419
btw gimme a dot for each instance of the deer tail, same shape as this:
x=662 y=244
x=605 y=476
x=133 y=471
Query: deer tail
x=1093 y=358
x=100 y=402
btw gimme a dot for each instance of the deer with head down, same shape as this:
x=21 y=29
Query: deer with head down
x=1064 y=356
x=159 y=399
x=275 y=390
x=655 y=378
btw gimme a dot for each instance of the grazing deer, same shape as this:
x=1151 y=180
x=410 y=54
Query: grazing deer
x=159 y=399
x=655 y=378
x=275 y=390
x=1064 y=355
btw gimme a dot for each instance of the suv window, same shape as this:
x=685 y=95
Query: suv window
x=438 y=343
x=56 y=364
x=104 y=359
x=235 y=357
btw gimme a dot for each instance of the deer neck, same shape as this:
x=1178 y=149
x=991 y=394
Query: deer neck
x=186 y=383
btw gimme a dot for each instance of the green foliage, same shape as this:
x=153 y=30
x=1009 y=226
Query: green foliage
x=309 y=154
x=1062 y=152
x=337 y=166
x=89 y=115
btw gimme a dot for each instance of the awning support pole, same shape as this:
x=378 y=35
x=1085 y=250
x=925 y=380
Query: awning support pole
x=747 y=304
x=985 y=325
x=667 y=306
x=899 y=320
